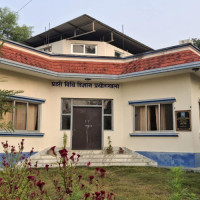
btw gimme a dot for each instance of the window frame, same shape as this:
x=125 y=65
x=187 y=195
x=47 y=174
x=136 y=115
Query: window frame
x=109 y=115
x=146 y=117
x=84 y=52
x=14 y=101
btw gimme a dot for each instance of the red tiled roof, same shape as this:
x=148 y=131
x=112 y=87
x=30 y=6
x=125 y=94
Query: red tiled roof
x=88 y=67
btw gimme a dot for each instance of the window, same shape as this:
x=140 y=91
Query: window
x=24 y=116
x=157 y=117
x=107 y=108
x=84 y=49
x=66 y=114
x=118 y=54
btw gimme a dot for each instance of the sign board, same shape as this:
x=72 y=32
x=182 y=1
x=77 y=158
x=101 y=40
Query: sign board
x=183 y=120
x=83 y=84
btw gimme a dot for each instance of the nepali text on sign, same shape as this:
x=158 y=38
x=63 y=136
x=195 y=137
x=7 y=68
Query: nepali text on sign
x=83 y=84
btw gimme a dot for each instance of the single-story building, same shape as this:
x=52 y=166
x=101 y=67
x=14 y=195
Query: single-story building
x=91 y=81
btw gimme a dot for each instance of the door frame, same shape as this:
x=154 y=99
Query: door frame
x=102 y=120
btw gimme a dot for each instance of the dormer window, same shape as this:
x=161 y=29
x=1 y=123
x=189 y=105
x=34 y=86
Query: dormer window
x=84 y=49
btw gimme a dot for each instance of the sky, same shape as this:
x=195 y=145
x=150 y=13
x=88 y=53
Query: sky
x=156 y=23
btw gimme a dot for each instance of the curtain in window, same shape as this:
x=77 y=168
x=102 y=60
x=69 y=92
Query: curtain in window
x=162 y=117
x=157 y=118
x=153 y=118
x=32 y=117
x=166 y=117
x=140 y=122
x=20 y=116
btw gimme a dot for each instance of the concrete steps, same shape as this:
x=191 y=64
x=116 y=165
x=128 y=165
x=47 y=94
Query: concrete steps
x=95 y=157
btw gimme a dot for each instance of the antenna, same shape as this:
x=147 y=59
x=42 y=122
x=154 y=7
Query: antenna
x=123 y=36
x=46 y=35
x=49 y=34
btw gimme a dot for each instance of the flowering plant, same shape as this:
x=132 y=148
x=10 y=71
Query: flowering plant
x=68 y=183
x=21 y=179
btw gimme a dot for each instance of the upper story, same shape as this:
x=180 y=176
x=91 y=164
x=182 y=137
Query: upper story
x=84 y=48
x=86 y=36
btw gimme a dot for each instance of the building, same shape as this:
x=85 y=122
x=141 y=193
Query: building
x=91 y=81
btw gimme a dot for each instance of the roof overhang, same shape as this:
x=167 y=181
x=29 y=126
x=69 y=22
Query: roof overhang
x=88 y=28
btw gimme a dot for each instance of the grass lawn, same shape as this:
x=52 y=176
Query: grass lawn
x=137 y=183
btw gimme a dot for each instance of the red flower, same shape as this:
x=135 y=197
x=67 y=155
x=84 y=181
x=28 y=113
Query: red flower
x=63 y=153
x=79 y=177
x=91 y=178
x=36 y=164
x=32 y=178
x=16 y=187
x=53 y=149
x=47 y=167
x=59 y=189
x=40 y=184
x=97 y=193
x=72 y=158
x=78 y=155
x=82 y=186
x=103 y=171
x=87 y=195
x=31 y=152
x=88 y=164
x=12 y=149
x=5 y=145
x=102 y=192
x=69 y=192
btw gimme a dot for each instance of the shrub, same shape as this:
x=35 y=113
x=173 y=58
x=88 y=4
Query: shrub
x=176 y=186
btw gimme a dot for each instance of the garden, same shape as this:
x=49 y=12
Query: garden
x=20 y=179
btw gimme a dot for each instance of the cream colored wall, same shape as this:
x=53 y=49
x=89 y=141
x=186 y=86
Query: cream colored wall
x=195 y=87
x=51 y=109
x=173 y=86
x=182 y=87
x=103 y=48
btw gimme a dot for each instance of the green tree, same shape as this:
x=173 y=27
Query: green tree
x=196 y=42
x=5 y=107
x=9 y=28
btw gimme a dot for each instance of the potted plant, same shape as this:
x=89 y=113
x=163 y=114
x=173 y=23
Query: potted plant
x=109 y=149
x=121 y=150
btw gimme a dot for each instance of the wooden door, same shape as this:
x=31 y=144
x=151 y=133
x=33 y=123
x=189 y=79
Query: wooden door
x=87 y=128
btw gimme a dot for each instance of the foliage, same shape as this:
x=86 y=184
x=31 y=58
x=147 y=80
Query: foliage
x=6 y=106
x=109 y=149
x=176 y=186
x=9 y=28
x=196 y=42
x=20 y=181
x=68 y=183
x=64 y=140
